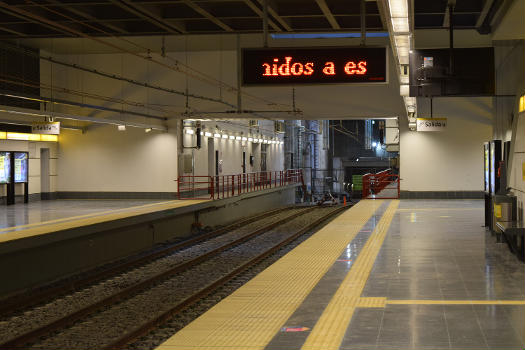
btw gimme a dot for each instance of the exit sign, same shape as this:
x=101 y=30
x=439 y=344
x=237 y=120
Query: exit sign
x=290 y=66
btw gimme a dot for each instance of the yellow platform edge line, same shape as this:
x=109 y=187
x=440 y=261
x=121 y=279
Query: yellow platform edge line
x=434 y=209
x=330 y=329
x=455 y=302
x=24 y=231
x=251 y=316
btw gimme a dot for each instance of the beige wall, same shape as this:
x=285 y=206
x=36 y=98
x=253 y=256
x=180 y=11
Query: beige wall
x=450 y=160
x=517 y=181
x=105 y=159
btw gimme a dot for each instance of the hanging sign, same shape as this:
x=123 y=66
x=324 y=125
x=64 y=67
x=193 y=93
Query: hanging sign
x=431 y=124
x=49 y=128
x=276 y=66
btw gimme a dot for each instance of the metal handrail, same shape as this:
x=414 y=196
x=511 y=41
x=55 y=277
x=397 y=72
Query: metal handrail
x=226 y=186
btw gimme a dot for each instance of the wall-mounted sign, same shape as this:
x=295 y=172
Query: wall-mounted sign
x=5 y=167
x=21 y=166
x=49 y=128
x=276 y=66
x=431 y=124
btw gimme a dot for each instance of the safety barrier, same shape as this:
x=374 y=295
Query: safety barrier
x=382 y=185
x=226 y=186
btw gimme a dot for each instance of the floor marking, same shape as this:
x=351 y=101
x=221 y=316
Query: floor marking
x=433 y=209
x=250 y=317
x=88 y=219
x=455 y=302
x=329 y=330
x=371 y=302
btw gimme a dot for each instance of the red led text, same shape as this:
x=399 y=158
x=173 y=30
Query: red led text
x=289 y=68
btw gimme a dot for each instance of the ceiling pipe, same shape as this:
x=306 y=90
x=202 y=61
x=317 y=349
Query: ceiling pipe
x=21 y=96
x=112 y=76
x=33 y=113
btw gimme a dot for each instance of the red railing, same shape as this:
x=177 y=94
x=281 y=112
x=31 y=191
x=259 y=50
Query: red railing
x=382 y=185
x=226 y=186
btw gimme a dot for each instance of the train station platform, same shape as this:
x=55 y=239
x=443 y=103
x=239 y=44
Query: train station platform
x=385 y=274
x=50 y=240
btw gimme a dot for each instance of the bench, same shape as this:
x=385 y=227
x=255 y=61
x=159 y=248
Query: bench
x=514 y=232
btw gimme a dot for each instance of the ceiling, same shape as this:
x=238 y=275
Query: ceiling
x=70 y=18
x=73 y=18
x=430 y=14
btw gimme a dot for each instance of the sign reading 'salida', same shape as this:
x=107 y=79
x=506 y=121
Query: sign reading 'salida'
x=278 y=66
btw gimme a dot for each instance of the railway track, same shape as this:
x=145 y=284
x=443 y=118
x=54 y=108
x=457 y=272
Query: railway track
x=16 y=303
x=105 y=315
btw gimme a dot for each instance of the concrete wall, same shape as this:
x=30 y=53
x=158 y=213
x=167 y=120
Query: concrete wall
x=451 y=160
x=510 y=69
x=105 y=159
x=517 y=173
x=33 y=166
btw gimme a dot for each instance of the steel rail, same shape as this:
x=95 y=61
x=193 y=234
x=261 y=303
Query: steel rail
x=18 y=302
x=165 y=316
x=27 y=337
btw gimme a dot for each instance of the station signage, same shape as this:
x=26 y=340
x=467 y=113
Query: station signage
x=48 y=128
x=431 y=124
x=290 y=66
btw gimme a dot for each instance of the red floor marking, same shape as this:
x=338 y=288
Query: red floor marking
x=294 y=329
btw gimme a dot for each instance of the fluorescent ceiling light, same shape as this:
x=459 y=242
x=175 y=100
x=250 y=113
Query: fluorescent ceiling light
x=404 y=90
x=121 y=127
x=400 y=25
x=190 y=131
x=232 y=137
x=398 y=8
x=217 y=135
x=224 y=136
x=403 y=59
x=244 y=139
x=147 y=129
x=250 y=139
x=207 y=134
x=402 y=41
x=238 y=138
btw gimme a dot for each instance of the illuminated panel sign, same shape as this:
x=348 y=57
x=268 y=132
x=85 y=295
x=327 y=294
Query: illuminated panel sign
x=314 y=66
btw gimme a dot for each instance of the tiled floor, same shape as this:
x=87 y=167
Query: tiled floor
x=438 y=280
x=437 y=250
x=40 y=211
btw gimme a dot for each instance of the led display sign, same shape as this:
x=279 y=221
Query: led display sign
x=277 y=66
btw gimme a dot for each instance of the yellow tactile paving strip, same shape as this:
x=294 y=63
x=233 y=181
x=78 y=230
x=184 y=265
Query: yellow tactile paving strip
x=36 y=229
x=371 y=302
x=329 y=330
x=250 y=317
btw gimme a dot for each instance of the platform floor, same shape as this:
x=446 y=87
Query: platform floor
x=30 y=219
x=386 y=274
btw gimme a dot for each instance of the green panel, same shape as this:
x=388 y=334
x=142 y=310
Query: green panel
x=357 y=180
